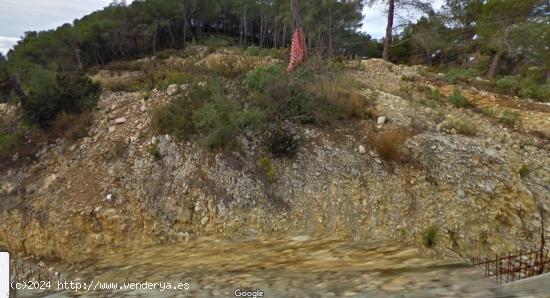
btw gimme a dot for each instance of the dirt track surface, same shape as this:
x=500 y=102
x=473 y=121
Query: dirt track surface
x=288 y=267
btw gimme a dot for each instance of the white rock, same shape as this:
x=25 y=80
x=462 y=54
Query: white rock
x=109 y=197
x=120 y=120
x=204 y=220
x=362 y=149
x=49 y=180
x=381 y=120
x=301 y=238
x=3 y=107
x=112 y=129
x=143 y=108
x=8 y=188
x=172 y=89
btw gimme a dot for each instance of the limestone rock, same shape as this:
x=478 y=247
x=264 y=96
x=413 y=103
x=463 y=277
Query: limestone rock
x=172 y=89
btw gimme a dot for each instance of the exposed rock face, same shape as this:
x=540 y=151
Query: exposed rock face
x=467 y=187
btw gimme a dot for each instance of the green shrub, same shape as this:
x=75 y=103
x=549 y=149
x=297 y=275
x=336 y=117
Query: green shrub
x=430 y=236
x=281 y=54
x=123 y=85
x=524 y=171
x=206 y=114
x=455 y=75
x=220 y=121
x=167 y=54
x=262 y=77
x=253 y=51
x=508 y=84
x=123 y=65
x=11 y=142
x=488 y=111
x=172 y=77
x=531 y=85
x=218 y=41
x=154 y=151
x=336 y=64
x=230 y=66
x=282 y=143
x=458 y=100
x=174 y=119
x=269 y=168
x=539 y=92
x=49 y=94
x=308 y=98
x=509 y=117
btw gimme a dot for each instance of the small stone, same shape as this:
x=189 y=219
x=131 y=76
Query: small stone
x=460 y=193
x=381 y=120
x=3 y=107
x=172 y=89
x=143 y=108
x=49 y=180
x=120 y=120
x=109 y=197
x=73 y=148
x=112 y=129
x=378 y=161
x=301 y=238
x=362 y=149
x=8 y=188
x=489 y=187
x=204 y=220
x=222 y=211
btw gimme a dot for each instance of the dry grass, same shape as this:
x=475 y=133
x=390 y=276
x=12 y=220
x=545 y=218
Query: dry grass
x=352 y=105
x=71 y=126
x=389 y=144
x=461 y=126
x=342 y=97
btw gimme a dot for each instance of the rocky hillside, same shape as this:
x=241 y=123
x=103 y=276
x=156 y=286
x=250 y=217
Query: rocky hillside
x=471 y=182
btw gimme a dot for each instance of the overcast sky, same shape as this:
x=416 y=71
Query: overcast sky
x=18 y=16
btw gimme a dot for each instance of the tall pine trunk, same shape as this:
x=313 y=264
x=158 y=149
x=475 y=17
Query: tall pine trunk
x=495 y=64
x=389 y=31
